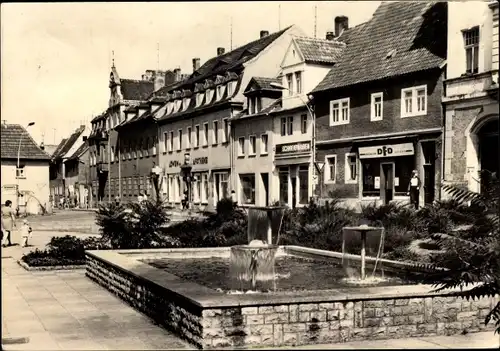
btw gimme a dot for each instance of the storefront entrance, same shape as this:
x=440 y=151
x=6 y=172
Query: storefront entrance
x=429 y=176
x=387 y=182
x=265 y=183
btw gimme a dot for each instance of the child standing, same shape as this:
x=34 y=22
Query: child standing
x=25 y=232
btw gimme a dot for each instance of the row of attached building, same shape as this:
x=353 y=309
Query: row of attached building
x=285 y=117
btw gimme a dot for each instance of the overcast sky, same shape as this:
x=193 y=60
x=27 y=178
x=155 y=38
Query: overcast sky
x=56 y=57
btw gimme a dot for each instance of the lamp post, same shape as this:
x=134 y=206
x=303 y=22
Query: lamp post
x=313 y=120
x=17 y=169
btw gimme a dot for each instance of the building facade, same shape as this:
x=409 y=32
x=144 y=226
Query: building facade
x=26 y=184
x=273 y=136
x=378 y=110
x=195 y=131
x=77 y=177
x=471 y=101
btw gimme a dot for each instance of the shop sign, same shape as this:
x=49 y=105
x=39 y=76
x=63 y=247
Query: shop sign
x=405 y=149
x=289 y=148
x=200 y=161
x=174 y=163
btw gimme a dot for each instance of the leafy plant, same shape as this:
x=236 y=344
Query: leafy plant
x=472 y=257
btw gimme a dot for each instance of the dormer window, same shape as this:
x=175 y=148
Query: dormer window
x=254 y=105
x=177 y=105
x=230 y=88
x=169 y=109
x=220 y=91
x=210 y=95
x=199 y=99
x=185 y=103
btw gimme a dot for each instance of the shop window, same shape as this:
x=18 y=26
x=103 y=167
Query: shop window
x=330 y=169
x=351 y=174
x=371 y=171
x=205 y=188
x=221 y=181
x=403 y=167
x=241 y=146
x=178 y=189
x=247 y=189
x=340 y=112
x=263 y=144
x=253 y=145
x=377 y=107
x=196 y=188
x=303 y=185
x=283 y=178
x=414 y=101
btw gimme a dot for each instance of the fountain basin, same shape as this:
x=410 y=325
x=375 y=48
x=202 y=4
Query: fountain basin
x=210 y=318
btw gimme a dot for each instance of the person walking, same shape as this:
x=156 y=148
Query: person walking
x=414 y=189
x=8 y=223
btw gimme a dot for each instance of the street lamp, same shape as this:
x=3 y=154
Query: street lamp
x=17 y=169
x=313 y=120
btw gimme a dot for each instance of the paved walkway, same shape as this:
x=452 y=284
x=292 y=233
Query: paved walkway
x=64 y=310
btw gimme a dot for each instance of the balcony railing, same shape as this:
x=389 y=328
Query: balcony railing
x=470 y=86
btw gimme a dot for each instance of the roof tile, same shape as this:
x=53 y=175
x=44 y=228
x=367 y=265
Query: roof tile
x=411 y=29
x=14 y=134
x=137 y=90
x=317 y=50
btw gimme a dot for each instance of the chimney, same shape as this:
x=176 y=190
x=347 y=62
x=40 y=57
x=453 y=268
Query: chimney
x=220 y=51
x=264 y=33
x=330 y=35
x=177 y=73
x=42 y=146
x=341 y=24
x=196 y=64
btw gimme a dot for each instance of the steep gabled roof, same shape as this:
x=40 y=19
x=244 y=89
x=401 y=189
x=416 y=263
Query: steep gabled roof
x=319 y=51
x=73 y=138
x=79 y=152
x=401 y=38
x=262 y=83
x=137 y=90
x=14 y=134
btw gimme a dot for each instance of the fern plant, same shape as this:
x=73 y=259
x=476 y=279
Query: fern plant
x=472 y=257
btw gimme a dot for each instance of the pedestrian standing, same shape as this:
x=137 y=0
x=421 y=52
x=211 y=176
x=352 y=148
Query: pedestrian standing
x=8 y=223
x=414 y=189
x=26 y=232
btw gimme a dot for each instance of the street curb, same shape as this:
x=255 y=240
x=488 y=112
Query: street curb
x=50 y=268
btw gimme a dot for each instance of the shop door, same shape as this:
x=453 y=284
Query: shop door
x=429 y=151
x=387 y=182
x=294 y=191
x=265 y=182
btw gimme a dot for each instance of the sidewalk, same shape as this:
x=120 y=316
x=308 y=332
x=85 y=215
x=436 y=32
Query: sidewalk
x=64 y=310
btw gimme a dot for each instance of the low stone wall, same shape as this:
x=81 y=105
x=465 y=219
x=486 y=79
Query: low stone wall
x=209 y=319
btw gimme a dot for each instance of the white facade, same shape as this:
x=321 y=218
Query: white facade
x=33 y=185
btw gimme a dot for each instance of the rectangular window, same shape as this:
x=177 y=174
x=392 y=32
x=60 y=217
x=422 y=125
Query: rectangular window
x=155 y=142
x=221 y=186
x=414 y=101
x=196 y=188
x=250 y=105
x=351 y=169
x=253 y=145
x=179 y=145
x=377 y=107
x=247 y=189
x=171 y=146
x=471 y=44
x=216 y=132
x=20 y=172
x=205 y=134
x=290 y=125
x=289 y=81
x=165 y=142
x=340 y=112
x=189 y=131
x=263 y=144
x=199 y=99
x=196 y=136
x=330 y=169
x=283 y=126
x=226 y=130
x=298 y=82
x=112 y=154
x=220 y=92
x=241 y=146
x=303 y=124
x=204 y=192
